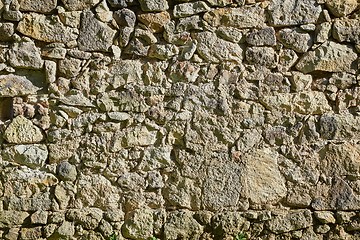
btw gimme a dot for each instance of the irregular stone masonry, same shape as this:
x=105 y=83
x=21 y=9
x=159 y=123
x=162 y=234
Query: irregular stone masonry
x=157 y=119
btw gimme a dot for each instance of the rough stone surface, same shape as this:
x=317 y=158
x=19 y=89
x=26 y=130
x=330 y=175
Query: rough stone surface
x=42 y=6
x=28 y=155
x=94 y=35
x=293 y=12
x=341 y=8
x=201 y=120
x=45 y=29
x=329 y=57
x=22 y=130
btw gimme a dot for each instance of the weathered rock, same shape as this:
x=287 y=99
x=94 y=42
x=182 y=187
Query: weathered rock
x=263 y=56
x=66 y=171
x=139 y=136
x=139 y=224
x=76 y=5
x=293 y=12
x=303 y=102
x=155 y=21
x=28 y=155
x=329 y=57
x=182 y=224
x=216 y=50
x=221 y=3
x=340 y=160
x=66 y=229
x=88 y=218
x=219 y=192
x=25 y=55
x=121 y=3
x=31 y=233
x=262 y=178
x=341 y=8
x=242 y=17
x=325 y=216
x=163 y=51
x=154 y=5
x=13 y=85
x=22 y=130
x=295 y=39
x=39 y=217
x=323 y=32
x=189 y=9
x=41 y=6
x=291 y=221
x=228 y=223
x=97 y=191
x=46 y=29
x=12 y=218
x=262 y=37
x=94 y=35
x=6 y=30
x=347 y=30
x=69 y=67
x=126 y=18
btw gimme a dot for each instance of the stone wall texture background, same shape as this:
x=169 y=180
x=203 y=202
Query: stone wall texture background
x=156 y=119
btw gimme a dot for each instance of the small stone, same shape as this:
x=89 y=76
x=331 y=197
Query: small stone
x=94 y=35
x=189 y=9
x=119 y=116
x=181 y=224
x=6 y=31
x=22 y=131
x=301 y=82
x=293 y=12
x=125 y=18
x=40 y=6
x=13 y=85
x=262 y=37
x=121 y=3
x=264 y=56
x=325 y=216
x=103 y=12
x=39 y=217
x=242 y=17
x=230 y=34
x=67 y=229
x=31 y=233
x=29 y=155
x=220 y=3
x=9 y=218
x=139 y=224
x=341 y=8
x=163 y=51
x=12 y=15
x=323 y=32
x=155 y=21
x=329 y=57
x=46 y=28
x=25 y=55
x=154 y=5
x=217 y=50
x=322 y=229
x=140 y=137
x=54 y=52
x=69 y=67
x=78 y=5
x=346 y=30
x=290 y=221
x=70 y=18
x=295 y=39
x=66 y=171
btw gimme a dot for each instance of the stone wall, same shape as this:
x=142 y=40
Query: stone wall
x=213 y=119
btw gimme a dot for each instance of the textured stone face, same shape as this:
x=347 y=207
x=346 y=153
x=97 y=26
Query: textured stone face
x=22 y=130
x=329 y=57
x=293 y=12
x=42 y=6
x=45 y=29
x=94 y=35
x=184 y=119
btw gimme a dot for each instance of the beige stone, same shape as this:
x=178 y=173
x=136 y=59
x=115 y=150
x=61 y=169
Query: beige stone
x=154 y=21
x=341 y=7
x=22 y=130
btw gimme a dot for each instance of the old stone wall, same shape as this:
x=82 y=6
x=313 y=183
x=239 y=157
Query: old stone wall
x=156 y=119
